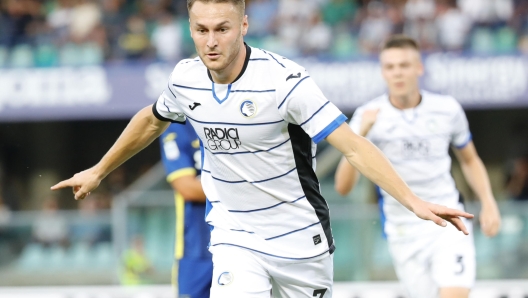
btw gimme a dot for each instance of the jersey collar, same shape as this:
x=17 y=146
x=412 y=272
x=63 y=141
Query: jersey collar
x=246 y=61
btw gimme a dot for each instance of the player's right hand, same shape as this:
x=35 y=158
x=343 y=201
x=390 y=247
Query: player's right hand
x=368 y=119
x=82 y=183
x=440 y=214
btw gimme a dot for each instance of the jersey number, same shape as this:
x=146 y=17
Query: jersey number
x=461 y=263
x=319 y=293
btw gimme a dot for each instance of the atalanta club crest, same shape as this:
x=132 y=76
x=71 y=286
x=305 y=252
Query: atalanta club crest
x=248 y=108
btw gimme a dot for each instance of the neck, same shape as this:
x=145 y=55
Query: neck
x=407 y=101
x=233 y=69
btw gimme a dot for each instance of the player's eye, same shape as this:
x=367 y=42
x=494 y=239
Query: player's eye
x=223 y=30
x=201 y=30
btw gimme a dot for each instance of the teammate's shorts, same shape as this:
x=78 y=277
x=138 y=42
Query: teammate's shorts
x=440 y=260
x=240 y=273
x=194 y=278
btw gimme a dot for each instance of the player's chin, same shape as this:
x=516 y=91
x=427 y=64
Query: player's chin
x=215 y=65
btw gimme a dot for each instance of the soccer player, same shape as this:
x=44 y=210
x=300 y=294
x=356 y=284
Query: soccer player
x=414 y=128
x=259 y=117
x=193 y=265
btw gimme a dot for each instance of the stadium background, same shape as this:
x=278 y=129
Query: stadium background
x=72 y=72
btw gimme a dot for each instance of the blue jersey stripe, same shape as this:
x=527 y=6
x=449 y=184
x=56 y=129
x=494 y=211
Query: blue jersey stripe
x=242 y=231
x=272 y=255
x=276 y=60
x=229 y=89
x=329 y=128
x=242 y=181
x=466 y=142
x=300 y=81
x=319 y=110
x=246 y=152
x=266 y=208
x=294 y=231
x=241 y=124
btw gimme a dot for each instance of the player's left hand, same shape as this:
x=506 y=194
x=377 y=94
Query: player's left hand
x=490 y=219
x=440 y=214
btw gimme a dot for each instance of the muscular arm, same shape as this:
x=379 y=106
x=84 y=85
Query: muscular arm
x=477 y=178
x=190 y=188
x=139 y=133
x=365 y=157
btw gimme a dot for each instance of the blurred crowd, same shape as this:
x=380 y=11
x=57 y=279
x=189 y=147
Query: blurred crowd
x=73 y=32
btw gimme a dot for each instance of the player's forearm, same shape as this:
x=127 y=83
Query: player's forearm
x=346 y=177
x=139 y=133
x=371 y=162
x=477 y=177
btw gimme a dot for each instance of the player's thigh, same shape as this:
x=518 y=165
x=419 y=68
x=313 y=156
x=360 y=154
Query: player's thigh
x=238 y=273
x=413 y=271
x=453 y=263
x=300 y=280
x=194 y=278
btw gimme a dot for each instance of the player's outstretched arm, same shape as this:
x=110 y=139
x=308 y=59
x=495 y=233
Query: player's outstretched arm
x=346 y=175
x=371 y=162
x=477 y=178
x=139 y=133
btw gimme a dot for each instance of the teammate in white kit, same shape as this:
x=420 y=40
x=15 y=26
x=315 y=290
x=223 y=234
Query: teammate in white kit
x=414 y=129
x=259 y=117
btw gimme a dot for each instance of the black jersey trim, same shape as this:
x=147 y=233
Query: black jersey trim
x=246 y=61
x=316 y=112
x=161 y=118
x=302 y=153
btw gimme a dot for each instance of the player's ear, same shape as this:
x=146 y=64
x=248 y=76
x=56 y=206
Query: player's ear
x=245 y=25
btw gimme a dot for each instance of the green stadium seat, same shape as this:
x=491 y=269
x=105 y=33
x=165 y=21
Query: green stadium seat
x=69 y=55
x=32 y=257
x=79 y=256
x=482 y=41
x=21 y=56
x=46 y=55
x=505 y=40
x=103 y=256
x=345 y=46
x=91 y=54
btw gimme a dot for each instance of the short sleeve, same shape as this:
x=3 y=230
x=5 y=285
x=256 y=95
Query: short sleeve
x=302 y=103
x=460 y=134
x=175 y=157
x=166 y=107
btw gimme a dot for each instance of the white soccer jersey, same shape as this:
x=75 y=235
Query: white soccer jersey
x=259 y=135
x=416 y=141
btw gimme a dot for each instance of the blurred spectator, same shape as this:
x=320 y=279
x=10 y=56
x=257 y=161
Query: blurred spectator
x=15 y=18
x=135 y=42
x=136 y=265
x=113 y=21
x=116 y=181
x=60 y=19
x=419 y=24
x=261 y=16
x=487 y=11
x=375 y=28
x=452 y=26
x=339 y=12
x=85 y=24
x=167 y=38
x=317 y=37
x=50 y=227
x=292 y=18
x=517 y=185
x=89 y=230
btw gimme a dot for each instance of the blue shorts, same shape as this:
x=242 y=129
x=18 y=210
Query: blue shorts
x=194 y=278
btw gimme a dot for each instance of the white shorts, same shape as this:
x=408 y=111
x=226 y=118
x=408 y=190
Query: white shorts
x=240 y=273
x=441 y=260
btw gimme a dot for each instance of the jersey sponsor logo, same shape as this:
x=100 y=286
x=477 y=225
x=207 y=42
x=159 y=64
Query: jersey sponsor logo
x=292 y=76
x=225 y=278
x=248 y=108
x=195 y=104
x=317 y=239
x=222 y=138
x=415 y=148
